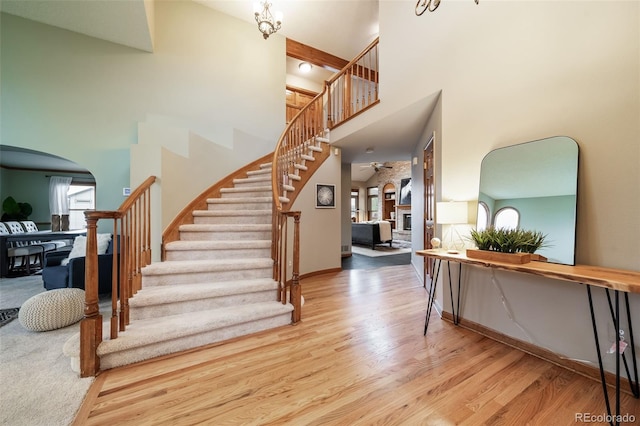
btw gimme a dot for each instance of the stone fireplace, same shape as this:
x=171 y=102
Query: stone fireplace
x=403 y=223
x=406 y=222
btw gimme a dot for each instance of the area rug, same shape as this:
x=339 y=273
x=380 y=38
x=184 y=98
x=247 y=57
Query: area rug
x=44 y=391
x=381 y=250
x=8 y=315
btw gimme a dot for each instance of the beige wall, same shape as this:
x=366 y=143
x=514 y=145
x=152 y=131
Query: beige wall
x=511 y=72
x=517 y=71
x=524 y=71
x=320 y=232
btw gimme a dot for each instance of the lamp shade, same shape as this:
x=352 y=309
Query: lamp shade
x=451 y=212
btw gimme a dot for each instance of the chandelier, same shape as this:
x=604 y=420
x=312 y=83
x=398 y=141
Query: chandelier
x=424 y=5
x=267 y=24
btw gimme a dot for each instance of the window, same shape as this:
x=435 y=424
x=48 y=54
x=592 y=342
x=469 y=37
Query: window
x=81 y=197
x=483 y=216
x=507 y=218
x=372 y=203
x=355 y=202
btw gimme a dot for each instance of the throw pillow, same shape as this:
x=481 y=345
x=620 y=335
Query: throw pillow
x=79 y=248
x=103 y=243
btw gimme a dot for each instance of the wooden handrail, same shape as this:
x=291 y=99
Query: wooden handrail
x=131 y=252
x=355 y=60
x=355 y=88
x=347 y=94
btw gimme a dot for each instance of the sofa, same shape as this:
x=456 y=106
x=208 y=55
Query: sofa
x=67 y=269
x=371 y=233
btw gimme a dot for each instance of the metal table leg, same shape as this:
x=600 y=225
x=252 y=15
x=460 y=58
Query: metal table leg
x=614 y=308
x=432 y=291
x=455 y=310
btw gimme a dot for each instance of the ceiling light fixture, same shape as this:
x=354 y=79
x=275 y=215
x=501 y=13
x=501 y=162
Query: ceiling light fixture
x=304 y=67
x=369 y=150
x=430 y=5
x=267 y=24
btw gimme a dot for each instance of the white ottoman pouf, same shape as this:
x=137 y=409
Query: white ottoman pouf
x=52 y=309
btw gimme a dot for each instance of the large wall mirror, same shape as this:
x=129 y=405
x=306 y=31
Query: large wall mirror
x=537 y=181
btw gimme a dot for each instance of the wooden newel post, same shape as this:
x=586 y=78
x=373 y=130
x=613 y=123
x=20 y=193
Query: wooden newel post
x=296 y=292
x=91 y=325
x=329 y=105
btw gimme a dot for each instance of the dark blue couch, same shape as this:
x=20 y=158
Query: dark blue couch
x=55 y=275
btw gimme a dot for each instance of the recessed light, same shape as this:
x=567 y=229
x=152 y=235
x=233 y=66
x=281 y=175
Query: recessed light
x=304 y=67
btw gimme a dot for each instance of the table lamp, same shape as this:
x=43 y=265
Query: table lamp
x=452 y=213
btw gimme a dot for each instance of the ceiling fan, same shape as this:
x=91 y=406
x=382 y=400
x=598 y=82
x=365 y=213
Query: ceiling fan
x=377 y=166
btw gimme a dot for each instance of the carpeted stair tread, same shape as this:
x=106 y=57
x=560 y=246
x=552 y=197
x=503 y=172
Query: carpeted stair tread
x=206 y=227
x=185 y=292
x=254 y=179
x=239 y=213
x=261 y=172
x=217 y=245
x=245 y=189
x=200 y=266
x=149 y=331
x=239 y=200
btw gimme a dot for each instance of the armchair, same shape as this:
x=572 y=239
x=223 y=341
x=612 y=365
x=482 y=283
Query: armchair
x=57 y=273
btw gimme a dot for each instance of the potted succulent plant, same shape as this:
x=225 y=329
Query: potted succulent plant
x=519 y=245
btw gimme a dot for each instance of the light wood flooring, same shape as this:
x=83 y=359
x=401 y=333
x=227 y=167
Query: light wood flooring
x=357 y=358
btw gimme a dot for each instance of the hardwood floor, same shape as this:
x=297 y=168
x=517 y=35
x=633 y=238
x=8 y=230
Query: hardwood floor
x=357 y=358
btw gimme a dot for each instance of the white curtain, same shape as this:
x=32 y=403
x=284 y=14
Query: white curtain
x=58 y=200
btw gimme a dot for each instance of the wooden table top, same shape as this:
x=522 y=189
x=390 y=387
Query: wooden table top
x=615 y=279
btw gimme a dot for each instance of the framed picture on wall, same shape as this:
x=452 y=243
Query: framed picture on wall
x=325 y=196
x=405 y=191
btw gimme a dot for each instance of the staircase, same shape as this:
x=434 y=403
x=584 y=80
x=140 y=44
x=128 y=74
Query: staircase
x=225 y=270
x=216 y=281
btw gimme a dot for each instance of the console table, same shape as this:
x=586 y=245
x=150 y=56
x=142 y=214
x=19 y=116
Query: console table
x=616 y=280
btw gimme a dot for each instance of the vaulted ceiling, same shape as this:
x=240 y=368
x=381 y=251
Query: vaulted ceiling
x=352 y=26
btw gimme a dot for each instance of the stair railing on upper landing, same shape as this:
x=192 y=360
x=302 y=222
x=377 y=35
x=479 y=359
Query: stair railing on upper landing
x=354 y=89
x=131 y=252
x=348 y=93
